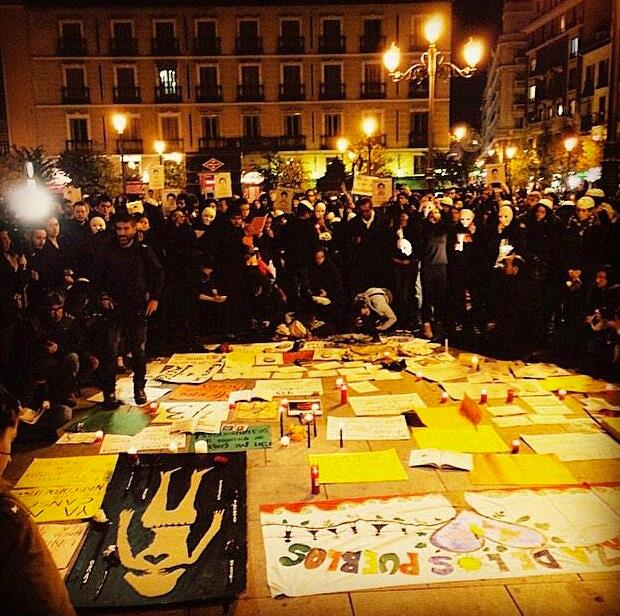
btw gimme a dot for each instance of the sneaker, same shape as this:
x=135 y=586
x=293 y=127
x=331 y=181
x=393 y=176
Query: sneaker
x=110 y=402
x=139 y=396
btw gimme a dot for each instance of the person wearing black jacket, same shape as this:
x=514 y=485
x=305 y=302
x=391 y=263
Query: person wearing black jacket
x=129 y=280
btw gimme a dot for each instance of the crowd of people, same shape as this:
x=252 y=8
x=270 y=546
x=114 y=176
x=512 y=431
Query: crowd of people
x=84 y=290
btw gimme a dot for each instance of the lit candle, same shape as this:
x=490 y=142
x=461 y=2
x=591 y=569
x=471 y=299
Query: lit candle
x=475 y=363
x=281 y=413
x=445 y=345
x=510 y=396
x=339 y=383
x=285 y=441
x=284 y=403
x=609 y=388
x=516 y=444
x=152 y=408
x=201 y=447
x=99 y=435
x=387 y=355
x=561 y=394
x=344 y=394
x=484 y=396
x=133 y=452
x=444 y=397
x=341 y=431
x=173 y=447
x=314 y=479
x=315 y=410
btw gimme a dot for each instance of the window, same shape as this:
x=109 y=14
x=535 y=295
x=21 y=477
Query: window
x=416 y=38
x=251 y=126
x=332 y=74
x=250 y=74
x=77 y=129
x=248 y=29
x=292 y=125
x=419 y=123
x=332 y=124
x=132 y=131
x=71 y=31
x=372 y=72
x=371 y=39
x=533 y=64
x=210 y=127
x=574 y=47
x=167 y=77
x=122 y=30
x=602 y=105
x=208 y=76
x=125 y=77
x=290 y=29
x=560 y=109
x=291 y=74
x=74 y=78
x=603 y=74
x=164 y=30
x=562 y=23
x=206 y=29
x=572 y=78
x=531 y=92
x=169 y=127
x=572 y=106
x=332 y=28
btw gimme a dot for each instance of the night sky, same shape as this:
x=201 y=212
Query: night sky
x=480 y=18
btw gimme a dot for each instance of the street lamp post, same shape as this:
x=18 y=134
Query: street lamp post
x=430 y=64
x=569 y=145
x=510 y=153
x=369 y=126
x=160 y=148
x=342 y=145
x=119 y=121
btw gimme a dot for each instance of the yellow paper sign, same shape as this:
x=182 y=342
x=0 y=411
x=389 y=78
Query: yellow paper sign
x=77 y=471
x=480 y=439
x=362 y=467
x=254 y=411
x=580 y=383
x=443 y=417
x=59 y=504
x=520 y=470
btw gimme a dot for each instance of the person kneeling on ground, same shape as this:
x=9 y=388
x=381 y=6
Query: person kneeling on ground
x=372 y=310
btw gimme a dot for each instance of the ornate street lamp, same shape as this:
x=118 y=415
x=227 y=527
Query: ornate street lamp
x=431 y=64
x=369 y=127
x=570 y=143
x=510 y=152
x=119 y=121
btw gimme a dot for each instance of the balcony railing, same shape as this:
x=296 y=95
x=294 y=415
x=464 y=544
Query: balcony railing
x=288 y=45
x=333 y=91
x=79 y=145
x=165 y=46
x=332 y=44
x=373 y=89
x=250 y=92
x=129 y=146
x=418 y=140
x=208 y=93
x=174 y=144
x=72 y=47
x=208 y=46
x=281 y=142
x=329 y=142
x=292 y=92
x=168 y=94
x=75 y=96
x=371 y=44
x=418 y=90
x=126 y=94
x=248 y=45
x=124 y=46
x=297 y=142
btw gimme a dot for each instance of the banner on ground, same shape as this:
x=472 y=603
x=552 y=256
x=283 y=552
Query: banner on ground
x=357 y=544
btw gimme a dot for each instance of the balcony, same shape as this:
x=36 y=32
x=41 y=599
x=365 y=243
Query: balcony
x=72 y=47
x=212 y=143
x=372 y=89
x=297 y=142
x=168 y=94
x=259 y=144
x=371 y=44
x=332 y=44
x=79 y=145
x=418 y=90
x=333 y=91
x=129 y=146
x=588 y=89
x=329 y=142
x=126 y=94
x=288 y=45
x=591 y=120
x=124 y=47
x=292 y=92
x=248 y=45
x=208 y=47
x=75 y=96
x=418 y=140
x=174 y=144
x=250 y=92
x=165 y=46
x=208 y=94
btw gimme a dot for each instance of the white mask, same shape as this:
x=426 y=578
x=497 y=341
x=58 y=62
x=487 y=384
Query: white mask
x=505 y=215
x=467 y=217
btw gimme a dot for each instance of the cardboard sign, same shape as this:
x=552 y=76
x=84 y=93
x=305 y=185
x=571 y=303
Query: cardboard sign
x=363 y=185
x=381 y=190
x=234 y=437
x=223 y=186
x=495 y=173
x=157 y=177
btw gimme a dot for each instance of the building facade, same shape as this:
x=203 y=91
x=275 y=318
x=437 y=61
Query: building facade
x=225 y=82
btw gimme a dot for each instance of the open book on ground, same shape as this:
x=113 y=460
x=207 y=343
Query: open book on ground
x=441 y=459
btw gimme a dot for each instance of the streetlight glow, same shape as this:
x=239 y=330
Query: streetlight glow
x=159 y=146
x=391 y=58
x=473 y=52
x=369 y=126
x=511 y=152
x=459 y=132
x=119 y=121
x=433 y=28
x=570 y=143
x=342 y=145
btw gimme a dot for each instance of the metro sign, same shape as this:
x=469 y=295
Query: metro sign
x=213 y=164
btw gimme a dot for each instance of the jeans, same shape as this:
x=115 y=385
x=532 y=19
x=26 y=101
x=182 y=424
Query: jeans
x=434 y=288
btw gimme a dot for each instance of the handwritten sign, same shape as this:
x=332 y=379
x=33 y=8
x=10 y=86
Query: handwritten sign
x=238 y=438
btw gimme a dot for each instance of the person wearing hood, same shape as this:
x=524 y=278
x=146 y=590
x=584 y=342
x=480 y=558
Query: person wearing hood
x=405 y=261
x=326 y=288
x=541 y=243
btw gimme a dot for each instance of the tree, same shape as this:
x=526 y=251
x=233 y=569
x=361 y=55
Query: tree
x=378 y=160
x=448 y=168
x=524 y=167
x=175 y=174
x=44 y=167
x=280 y=171
x=91 y=173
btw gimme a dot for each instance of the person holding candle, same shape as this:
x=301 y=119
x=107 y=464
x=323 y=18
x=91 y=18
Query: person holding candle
x=29 y=580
